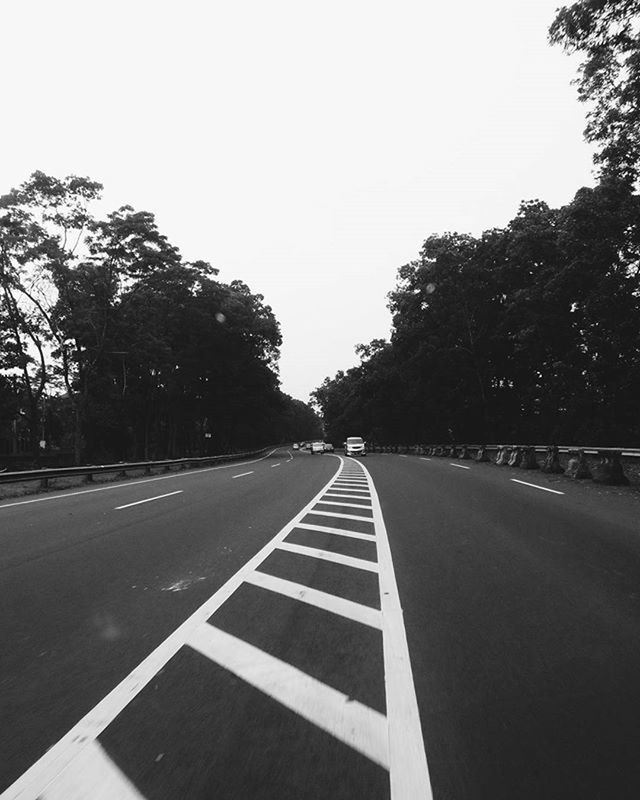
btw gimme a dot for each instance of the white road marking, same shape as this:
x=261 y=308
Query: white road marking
x=50 y=765
x=349 y=484
x=347 y=496
x=93 y=774
x=407 y=758
x=338 y=488
x=535 y=486
x=274 y=465
x=422 y=458
x=328 y=602
x=328 y=555
x=338 y=531
x=126 y=484
x=242 y=474
x=148 y=500
x=344 y=505
x=404 y=456
x=460 y=466
x=354 y=724
x=341 y=516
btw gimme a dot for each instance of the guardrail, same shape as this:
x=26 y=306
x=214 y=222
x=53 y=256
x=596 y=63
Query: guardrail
x=608 y=468
x=89 y=471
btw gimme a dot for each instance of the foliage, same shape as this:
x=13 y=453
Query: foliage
x=607 y=33
x=529 y=333
x=112 y=343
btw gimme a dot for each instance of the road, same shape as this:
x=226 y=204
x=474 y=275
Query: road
x=318 y=627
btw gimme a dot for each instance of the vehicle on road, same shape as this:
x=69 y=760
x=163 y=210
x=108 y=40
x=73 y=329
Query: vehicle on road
x=296 y=446
x=317 y=447
x=328 y=447
x=355 y=446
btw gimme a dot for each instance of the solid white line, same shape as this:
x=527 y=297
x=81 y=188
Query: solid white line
x=126 y=484
x=535 y=486
x=328 y=555
x=242 y=474
x=344 y=505
x=313 y=597
x=356 y=725
x=350 y=484
x=335 y=514
x=338 y=531
x=31 y=784
x=460 y=466
x=408 y=762
x=148 y=500
x=347 y=496
x=351 y=488
x=93 y=774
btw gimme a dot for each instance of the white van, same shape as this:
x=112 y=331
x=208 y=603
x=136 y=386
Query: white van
x=354 y=446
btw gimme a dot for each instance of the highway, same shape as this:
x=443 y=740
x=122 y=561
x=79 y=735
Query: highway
x=306 y=626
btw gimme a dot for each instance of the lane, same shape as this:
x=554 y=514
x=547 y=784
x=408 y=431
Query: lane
x=310 y=660
x=86 y=592
x=522 y=613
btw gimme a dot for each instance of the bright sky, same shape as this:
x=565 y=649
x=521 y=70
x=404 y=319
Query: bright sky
x=305 y=148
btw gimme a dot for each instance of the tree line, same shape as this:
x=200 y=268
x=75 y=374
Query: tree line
x=113 y=347
x=529 y=332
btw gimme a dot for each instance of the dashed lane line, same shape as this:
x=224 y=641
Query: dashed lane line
x=460 y=466
x=329 y=555
x=274 y=465
x=314 y=597
x=243 y=474
x=126 y=484
x=355 y=724
x=535 y=486
x=422 y=458
x=148 y=500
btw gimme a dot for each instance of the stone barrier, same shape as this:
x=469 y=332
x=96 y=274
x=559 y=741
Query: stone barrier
x=609 y=469
x=464 y=452
x=482 y=456
x=578 y=466
x=528 y=459
x=504 y=453
x=551 y=462
x=515 y=457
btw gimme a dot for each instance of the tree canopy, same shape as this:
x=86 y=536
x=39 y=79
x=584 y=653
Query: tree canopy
x=134 y=351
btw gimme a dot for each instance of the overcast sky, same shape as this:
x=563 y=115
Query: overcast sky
x=305 y=148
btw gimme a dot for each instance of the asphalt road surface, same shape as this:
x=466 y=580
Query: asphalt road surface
x=318 y=627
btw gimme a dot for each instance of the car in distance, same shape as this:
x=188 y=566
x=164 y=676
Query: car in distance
x=328 y=447
x=354 y=446
x=296 y=446
x=317 y=447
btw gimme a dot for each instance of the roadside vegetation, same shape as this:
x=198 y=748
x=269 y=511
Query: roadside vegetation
x=113 y=347
x=530 y=332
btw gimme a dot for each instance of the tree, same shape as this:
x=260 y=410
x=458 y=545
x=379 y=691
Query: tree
x=607 y=32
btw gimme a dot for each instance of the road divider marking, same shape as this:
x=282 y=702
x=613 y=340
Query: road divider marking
x=314 y=597
x=422 y=458
x=337 y=515
x=357 y=725
x=242 y=474
x=338 y=531
x=274 y=465
x=460 y=466
x=339 y=488
x=409 y=773
x=535 y=486
x=404 y=456
x=343 y=505
x=329 y=555
x=348 y=496
x=148 y=500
